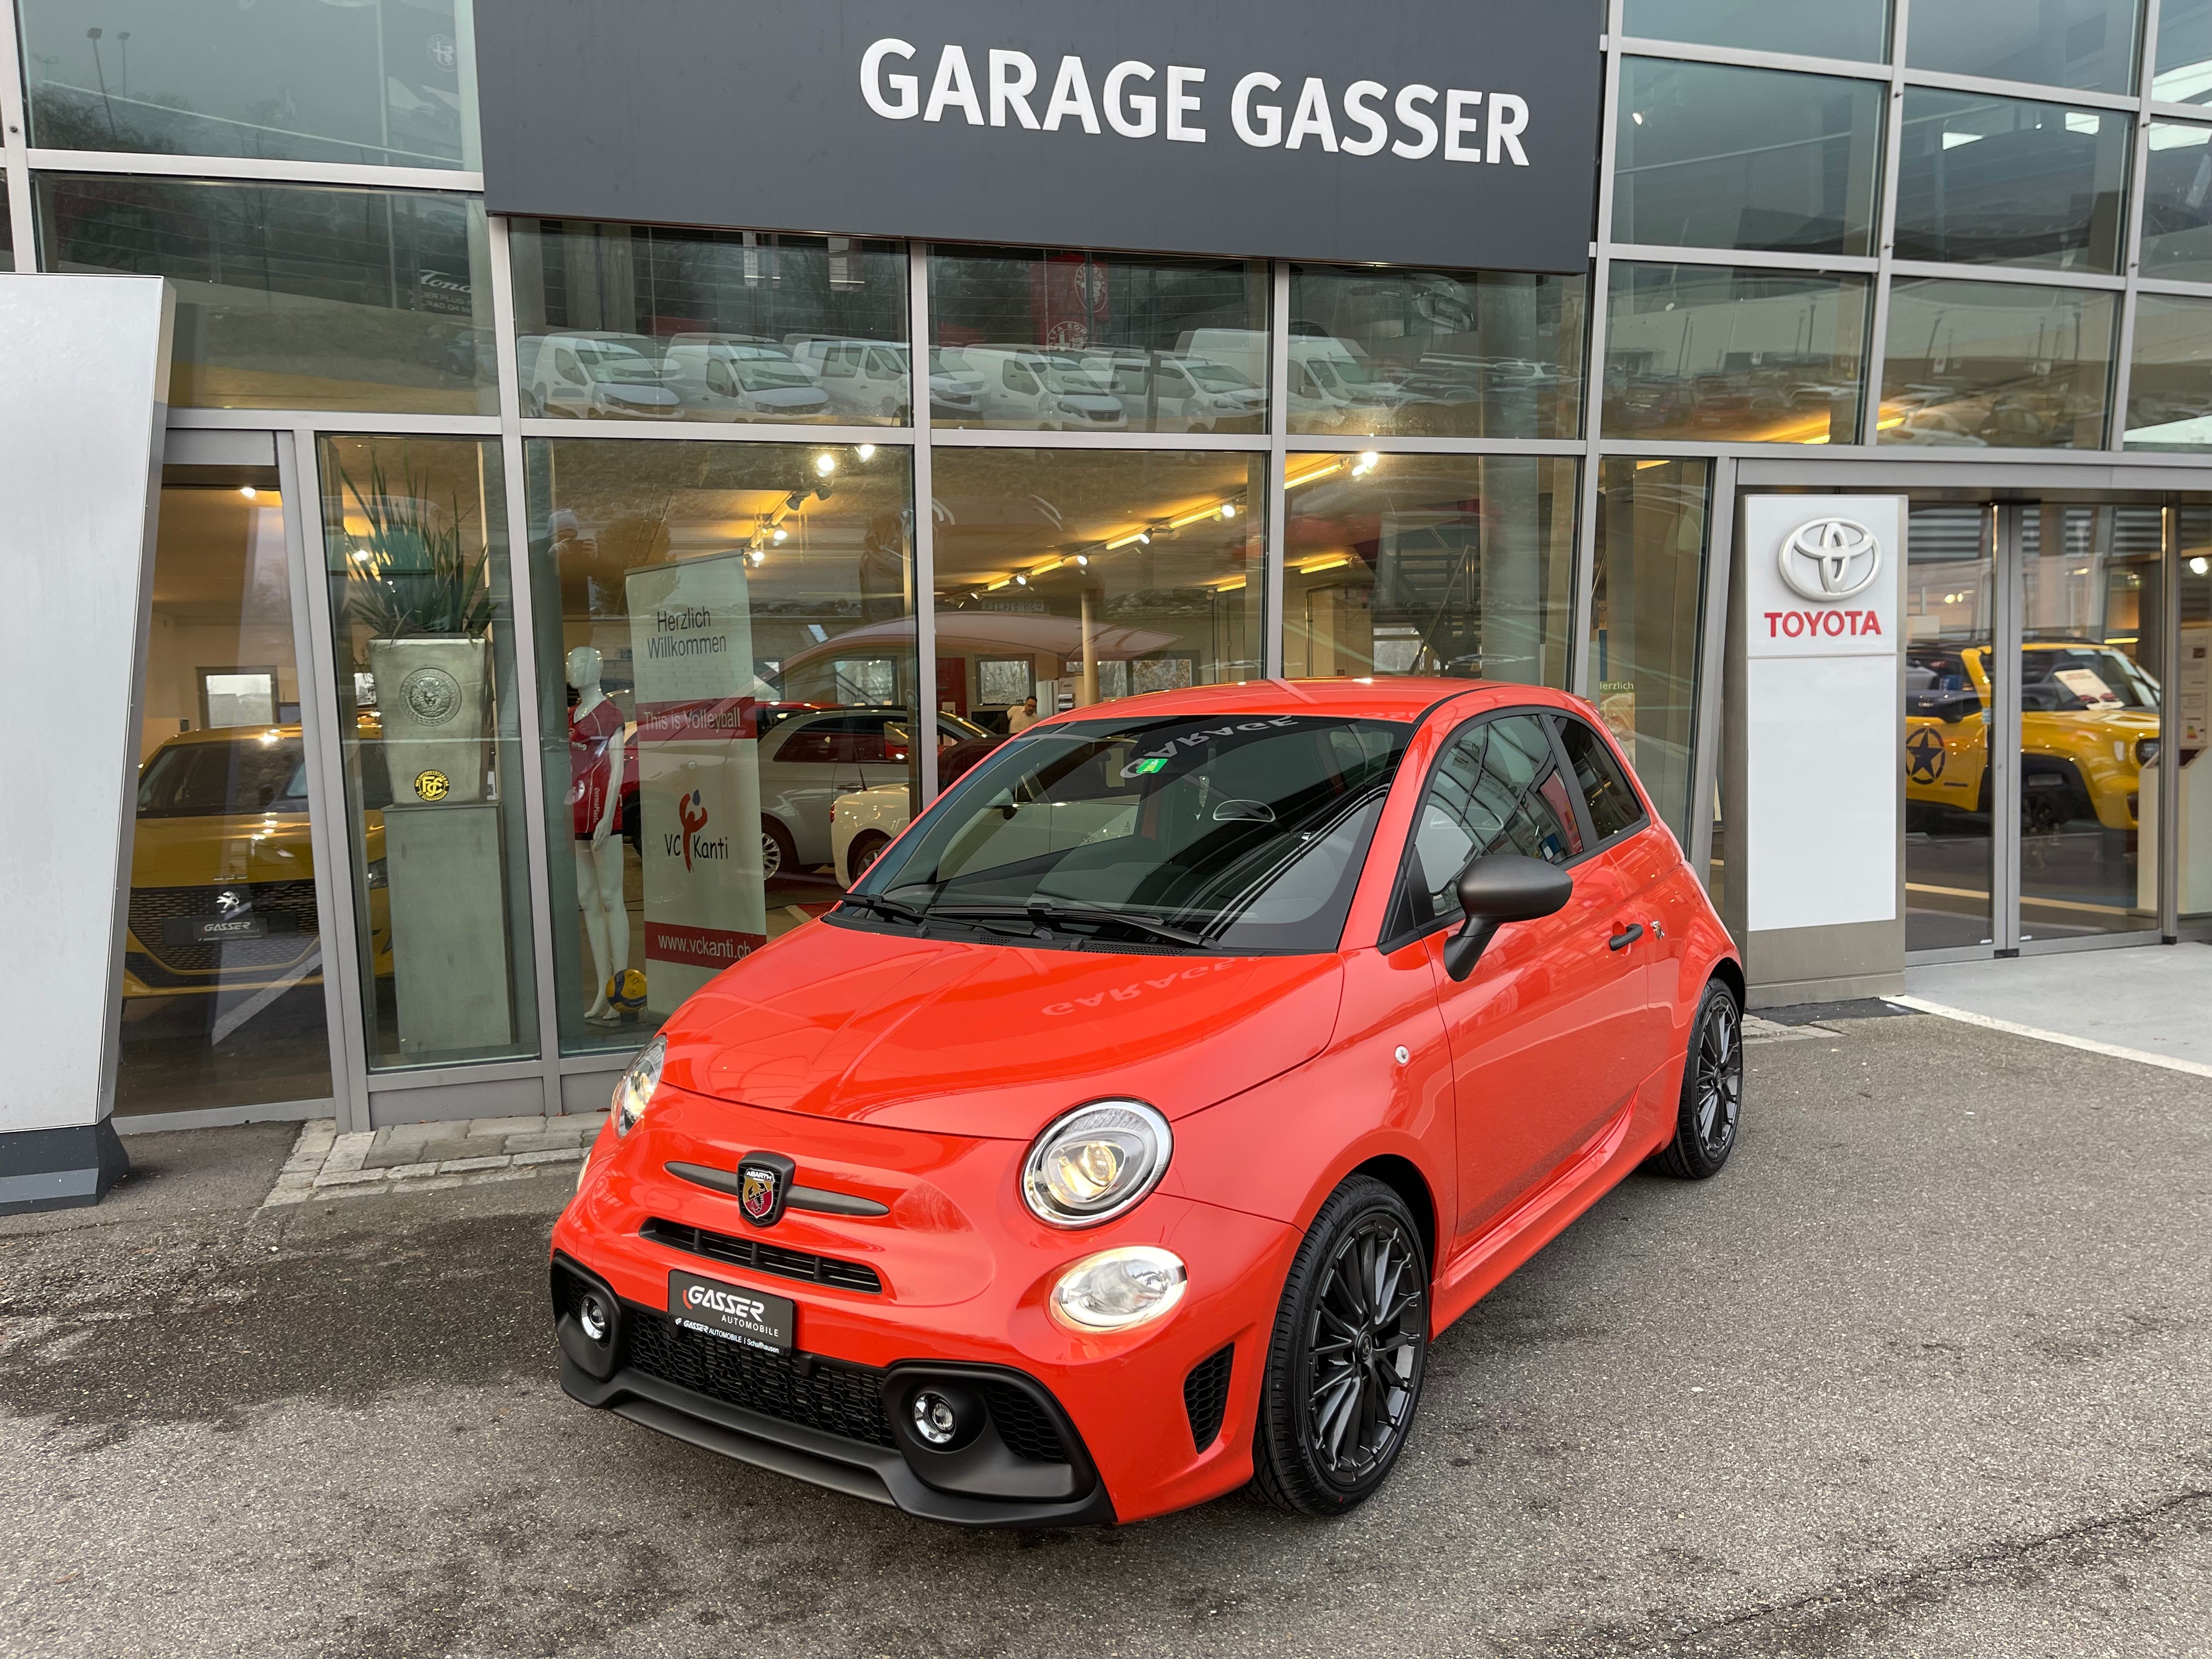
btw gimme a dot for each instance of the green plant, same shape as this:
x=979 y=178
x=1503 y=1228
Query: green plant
x=410 y=572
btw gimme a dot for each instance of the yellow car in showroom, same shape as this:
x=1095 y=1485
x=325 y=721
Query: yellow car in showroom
x=2088 y=726
x=222 y=874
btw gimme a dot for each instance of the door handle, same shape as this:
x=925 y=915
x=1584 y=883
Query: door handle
x=1622 y=941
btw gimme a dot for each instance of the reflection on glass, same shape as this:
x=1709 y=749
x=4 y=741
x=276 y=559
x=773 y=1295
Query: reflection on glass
x=2191 y=683
x=1843 y=28
x=2184 y=57
x=1950 y=621
x=1995 y=181
x=1712 y=156
x=1421 y=564
x=222 y=965
x=2177 y=211
x=2170 y=392
x=2091 y=670
x=297 y=299
x=725 y=665
x=390 y=84
x=1056 y=340
x=1996 y=364
x=7 y=234
x=1646 y=618
x=2089 y=44
x=1709 y=353
x=1069 y=578
x=1434 y=353
x=644 y=323
x=415 y=549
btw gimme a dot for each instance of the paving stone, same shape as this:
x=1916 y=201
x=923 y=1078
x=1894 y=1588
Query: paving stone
x=391 y=1155
x=411 y=1135
x=566 y=1155
x=437 y=1151
x=411 y=1171
x=463 y=1165
x=348 y=1177
x=551 y=1140
x=506 y=1126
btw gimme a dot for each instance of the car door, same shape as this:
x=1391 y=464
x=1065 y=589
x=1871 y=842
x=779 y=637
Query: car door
x=1533 y=1076
x=812 y=764
x=1640 y=855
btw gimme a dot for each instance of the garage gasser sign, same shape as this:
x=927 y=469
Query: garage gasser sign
x=691 y=649
x=1450 y=132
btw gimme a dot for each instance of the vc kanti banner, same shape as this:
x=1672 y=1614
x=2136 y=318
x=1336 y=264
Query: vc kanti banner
x=698 y=772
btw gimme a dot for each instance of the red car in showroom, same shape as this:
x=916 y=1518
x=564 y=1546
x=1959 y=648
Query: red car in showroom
x=1132 y=1127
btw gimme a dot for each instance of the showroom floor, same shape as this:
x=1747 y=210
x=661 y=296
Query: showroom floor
x=2154 y=998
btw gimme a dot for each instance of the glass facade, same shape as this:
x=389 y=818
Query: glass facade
x=1711 y=155
x=1141 y=471
x=1710 y=353
x=292 y=298
x=293 y=80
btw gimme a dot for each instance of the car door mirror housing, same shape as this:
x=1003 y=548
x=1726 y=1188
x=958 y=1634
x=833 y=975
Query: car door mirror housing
x=1499 y=888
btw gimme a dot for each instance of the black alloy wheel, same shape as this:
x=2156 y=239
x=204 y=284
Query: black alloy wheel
x=1349 y=1352
x=1712 y=1090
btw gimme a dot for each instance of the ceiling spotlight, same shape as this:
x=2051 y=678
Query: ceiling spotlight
x=866 y=452
x=825 y=464
x=248 y=491
x=782 y=534
x=1143 y=538
x=1228 y=509
x=2200 y=566
x=1082 y=559
x=758 y=554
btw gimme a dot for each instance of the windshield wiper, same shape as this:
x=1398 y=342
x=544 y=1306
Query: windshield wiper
x=1045 y=912
x=884 y=907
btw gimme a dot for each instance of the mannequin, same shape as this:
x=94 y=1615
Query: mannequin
x=595 y=771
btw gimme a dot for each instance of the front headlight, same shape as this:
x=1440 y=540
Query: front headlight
x=1095 y=1163
x=2145 y=750
x=635 y=1092
x=1116 y=1289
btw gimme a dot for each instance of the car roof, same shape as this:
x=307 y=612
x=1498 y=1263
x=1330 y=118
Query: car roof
x=1405 y=698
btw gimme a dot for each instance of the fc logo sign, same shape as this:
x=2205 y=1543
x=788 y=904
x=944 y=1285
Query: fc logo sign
x=1829 y=559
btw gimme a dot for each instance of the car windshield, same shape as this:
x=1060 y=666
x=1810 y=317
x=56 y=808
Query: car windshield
x=1068 y=376
x=1219 y=376
x=1238 y=834
x=2075 y=677
x=617 y=363
x=770 y=372
x=1353 y=374
x=217 y=779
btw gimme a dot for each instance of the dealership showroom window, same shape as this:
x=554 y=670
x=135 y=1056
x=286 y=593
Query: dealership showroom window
x=568 y=572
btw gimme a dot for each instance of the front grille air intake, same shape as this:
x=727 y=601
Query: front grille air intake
x=1206 y=1396
x=763 y=1257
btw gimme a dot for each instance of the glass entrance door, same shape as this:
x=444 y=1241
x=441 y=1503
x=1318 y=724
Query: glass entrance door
x=2035 y=646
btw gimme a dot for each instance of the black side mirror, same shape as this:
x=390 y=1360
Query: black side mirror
x=1495 y=889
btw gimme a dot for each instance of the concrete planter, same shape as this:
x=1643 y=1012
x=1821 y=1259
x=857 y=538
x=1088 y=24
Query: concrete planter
x=433 y=692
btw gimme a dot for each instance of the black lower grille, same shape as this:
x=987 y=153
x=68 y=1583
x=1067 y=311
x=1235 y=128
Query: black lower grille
x=1206 y=1396
x=764 y=1257
x=285 y=908
x=835 y=1399
x=1024 y=1425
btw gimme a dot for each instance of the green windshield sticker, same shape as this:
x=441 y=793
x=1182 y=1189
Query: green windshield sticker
x=1143 y=767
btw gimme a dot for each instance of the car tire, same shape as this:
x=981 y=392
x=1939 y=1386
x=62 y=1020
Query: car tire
x=1712 y=1091
x=779 y=854
x=866 y=847
x=1329 y=1457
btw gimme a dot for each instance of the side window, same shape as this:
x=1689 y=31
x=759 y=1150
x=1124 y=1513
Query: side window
x=1016 y=378
x=837 y=363
x=816 y=745
x=881 y=366
x=1613 y=804
x=1497 y=788
x=718 y=379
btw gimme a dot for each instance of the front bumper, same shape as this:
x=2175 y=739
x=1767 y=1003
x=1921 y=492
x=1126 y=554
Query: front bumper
x=1096 y=1429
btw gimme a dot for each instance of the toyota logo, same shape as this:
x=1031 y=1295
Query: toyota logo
x=1830 y=559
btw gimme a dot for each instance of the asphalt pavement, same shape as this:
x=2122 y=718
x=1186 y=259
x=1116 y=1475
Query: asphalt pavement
x=1923 y=1373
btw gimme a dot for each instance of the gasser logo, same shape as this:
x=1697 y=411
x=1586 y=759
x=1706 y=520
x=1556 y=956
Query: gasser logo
x=727 y=1303
x=1151 y=760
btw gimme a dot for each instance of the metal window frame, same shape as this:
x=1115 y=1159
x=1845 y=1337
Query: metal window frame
x=1736 y=466
x=15 y=154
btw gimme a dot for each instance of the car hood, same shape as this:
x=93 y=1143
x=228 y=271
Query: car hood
x=249 y=847
x=991 y=1040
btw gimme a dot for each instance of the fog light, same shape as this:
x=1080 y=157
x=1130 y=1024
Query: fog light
x=592 y=1314
x=935 y=1418
x=1116 y=1289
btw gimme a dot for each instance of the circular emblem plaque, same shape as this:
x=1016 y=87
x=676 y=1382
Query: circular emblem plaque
x=431 y=694
x=431 y=786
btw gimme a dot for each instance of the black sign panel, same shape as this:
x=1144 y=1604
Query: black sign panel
x=737 y=1311
x=1457 y=133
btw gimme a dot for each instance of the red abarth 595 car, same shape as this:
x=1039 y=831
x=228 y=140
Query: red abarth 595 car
x=1131 y=1130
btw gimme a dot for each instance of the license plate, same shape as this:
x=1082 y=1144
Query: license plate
x=212 y=930
x=732 y=1312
